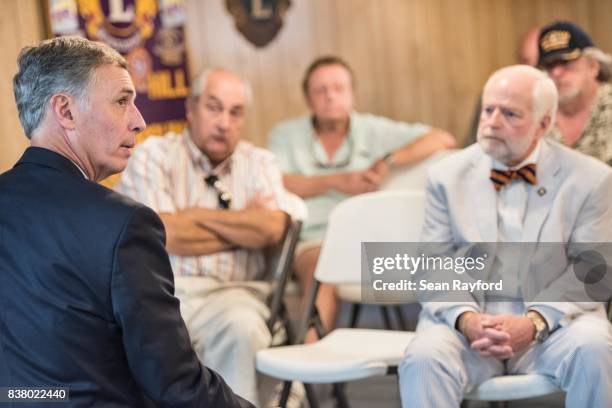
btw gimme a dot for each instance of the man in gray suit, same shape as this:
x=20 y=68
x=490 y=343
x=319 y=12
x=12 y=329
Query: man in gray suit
x=515 y=186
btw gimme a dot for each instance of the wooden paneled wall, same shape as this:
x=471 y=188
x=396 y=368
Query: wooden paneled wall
x=415 y=60
x=21 y=24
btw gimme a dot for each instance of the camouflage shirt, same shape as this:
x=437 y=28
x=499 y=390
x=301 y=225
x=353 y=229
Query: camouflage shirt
x=596 y=139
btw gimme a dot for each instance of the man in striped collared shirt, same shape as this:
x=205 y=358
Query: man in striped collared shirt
x=221 y=201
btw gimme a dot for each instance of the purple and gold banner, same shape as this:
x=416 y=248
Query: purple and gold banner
x=150 y=34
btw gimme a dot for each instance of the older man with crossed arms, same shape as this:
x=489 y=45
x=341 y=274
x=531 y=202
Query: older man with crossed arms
x=222 y=201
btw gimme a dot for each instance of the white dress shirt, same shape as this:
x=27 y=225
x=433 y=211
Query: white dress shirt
x=511 y=209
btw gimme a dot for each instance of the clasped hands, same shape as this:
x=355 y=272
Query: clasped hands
x=498 y=336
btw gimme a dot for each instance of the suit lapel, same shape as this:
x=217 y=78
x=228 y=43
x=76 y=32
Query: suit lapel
x=541 y=196
x=483 y=201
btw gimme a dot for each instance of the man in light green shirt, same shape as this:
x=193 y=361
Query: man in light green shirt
x=336 y=152
x=300 y=151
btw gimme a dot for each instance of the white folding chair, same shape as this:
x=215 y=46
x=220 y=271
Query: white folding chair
x=349 y=354
x=504 y=388
x=406 y=179
x=412 y=177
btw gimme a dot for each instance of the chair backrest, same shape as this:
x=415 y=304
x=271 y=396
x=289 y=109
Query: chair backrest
x=280 y=260
x=280 y=256
x=412 y=177
x=382 y=216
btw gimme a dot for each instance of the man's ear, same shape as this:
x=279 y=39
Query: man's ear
x=308 y=101
x=594 y=67
x=189 y=107
x=544 y=125
x=62 y=107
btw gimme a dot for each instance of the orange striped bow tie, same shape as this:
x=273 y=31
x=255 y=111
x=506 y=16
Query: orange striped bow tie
x=502 y=177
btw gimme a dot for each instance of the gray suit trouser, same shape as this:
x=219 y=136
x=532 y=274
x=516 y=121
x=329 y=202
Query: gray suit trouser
x=439 y=366
x=227 y=326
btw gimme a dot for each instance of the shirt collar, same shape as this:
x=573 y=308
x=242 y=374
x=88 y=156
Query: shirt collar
x=344 y=152
x=313 y=129
x=202 y=161
x=80 y=169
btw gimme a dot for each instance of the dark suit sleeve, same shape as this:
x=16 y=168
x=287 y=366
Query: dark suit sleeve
x=155 y=338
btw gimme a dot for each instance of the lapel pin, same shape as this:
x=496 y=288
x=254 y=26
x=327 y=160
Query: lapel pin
x=541 y=191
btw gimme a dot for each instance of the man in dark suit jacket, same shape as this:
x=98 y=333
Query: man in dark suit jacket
x=86 y=289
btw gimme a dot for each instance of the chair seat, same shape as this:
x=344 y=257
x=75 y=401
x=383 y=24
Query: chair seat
x=513 y=387
x=342 y=355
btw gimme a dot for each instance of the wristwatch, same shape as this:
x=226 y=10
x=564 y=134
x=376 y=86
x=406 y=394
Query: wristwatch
x=540 y=324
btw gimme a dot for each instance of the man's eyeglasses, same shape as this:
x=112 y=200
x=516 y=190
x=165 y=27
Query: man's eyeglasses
x=224 y=196
x=331 y=165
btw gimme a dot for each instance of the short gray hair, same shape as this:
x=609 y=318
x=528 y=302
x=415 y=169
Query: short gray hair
x=604 y=60
x=63 y=64
x=200 y=81
x=545 y=97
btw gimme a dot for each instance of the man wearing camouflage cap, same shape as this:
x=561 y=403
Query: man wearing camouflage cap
x=581 y=73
